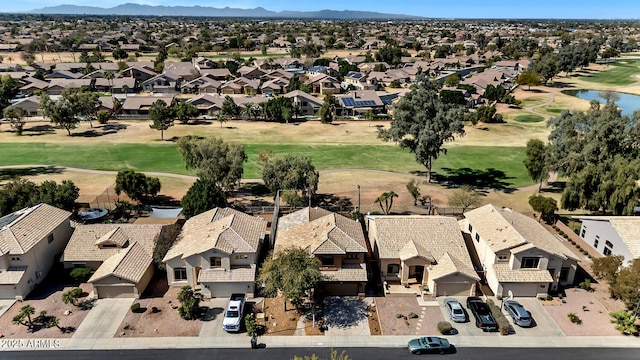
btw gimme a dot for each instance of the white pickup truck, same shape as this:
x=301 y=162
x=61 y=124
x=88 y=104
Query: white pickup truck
x=233 y=315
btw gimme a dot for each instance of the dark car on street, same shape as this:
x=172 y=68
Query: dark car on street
x=429 y=345
x=482 y=314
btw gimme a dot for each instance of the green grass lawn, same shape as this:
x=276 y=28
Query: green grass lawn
x=619 y=73
x=529 y=118
x=532 y=101
x=477 y=160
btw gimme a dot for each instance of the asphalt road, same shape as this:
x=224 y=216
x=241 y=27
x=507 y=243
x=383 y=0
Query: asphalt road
x=323 y=353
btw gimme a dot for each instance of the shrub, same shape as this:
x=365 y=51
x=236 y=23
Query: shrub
x=625 y=321
x=501 y=320
x=80 y=274
x=399 y=315
x=444 y=327
x=128 y=327
x=574 y=318
x=586 y=285
x=135 y=307
x=565 y=236
x=549 y=297
x=584 y=251
x=412 y=315
x=155 y=310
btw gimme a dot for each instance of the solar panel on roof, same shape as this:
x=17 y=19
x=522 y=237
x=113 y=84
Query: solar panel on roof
x=348 y=101
x=365 y=103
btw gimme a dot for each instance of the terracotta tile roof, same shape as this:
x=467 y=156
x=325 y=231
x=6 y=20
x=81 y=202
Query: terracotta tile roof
x=224 y=229
x=627 y=227
x=348 y=272
x=130 y=264
x=320 y=232
x=236 y=274
x=83 y=245
x=505 y=274
x=411 y=250
x=504 y=229
x=436 y=234
x=448 y=265
x=22 y=230
x=11 y=276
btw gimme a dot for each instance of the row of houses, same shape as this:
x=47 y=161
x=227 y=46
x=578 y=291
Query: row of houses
x=218 y=252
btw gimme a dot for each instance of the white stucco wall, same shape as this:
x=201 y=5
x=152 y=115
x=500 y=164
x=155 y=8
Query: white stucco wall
x=606 y=232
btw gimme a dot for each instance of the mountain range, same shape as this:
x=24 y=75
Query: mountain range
x=203 y=11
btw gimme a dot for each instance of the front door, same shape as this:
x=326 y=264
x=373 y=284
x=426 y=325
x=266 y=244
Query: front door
x=418 y=273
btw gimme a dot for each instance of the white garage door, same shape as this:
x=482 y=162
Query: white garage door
x=225 y=290
x=453 y=289
x=7 y=292
x=522 y=289
x=115 y=292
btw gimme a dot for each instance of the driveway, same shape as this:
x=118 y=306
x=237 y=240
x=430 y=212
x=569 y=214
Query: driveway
x=346 y=316
x=544 y=323
x=464 y=329
x=104 y=318
x=212 y=322
x=5 y=305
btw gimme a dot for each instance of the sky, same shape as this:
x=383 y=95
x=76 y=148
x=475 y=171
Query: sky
x=531 y=9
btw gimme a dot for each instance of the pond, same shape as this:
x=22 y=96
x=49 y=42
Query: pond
x=627 y=102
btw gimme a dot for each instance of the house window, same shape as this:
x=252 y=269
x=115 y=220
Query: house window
x=16 y=258
x=352 y=256
x=50 y=239
x=327 y=261
x=607 y=251
x=477 y=237
x=179 y=274
x=595 y=243
x=393 y=269
x=470 y=228
x=564 y=274
x=608 y=244
x=584 y=231
x=502 y=257
x=215 y=262
x=238 y=257
x=530 y=263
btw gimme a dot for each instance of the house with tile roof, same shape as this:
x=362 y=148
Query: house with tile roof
x=337 y=241
x=30 y=241
x=120 y=255
x=517 y=253
x=216 y=252
x=425 y=250
x=612 y=235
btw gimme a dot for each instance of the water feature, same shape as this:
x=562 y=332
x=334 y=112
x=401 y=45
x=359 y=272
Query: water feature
x=627 y=102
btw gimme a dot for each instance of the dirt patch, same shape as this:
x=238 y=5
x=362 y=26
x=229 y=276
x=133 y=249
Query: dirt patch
x=595 y=319
x=164 y=322
x=396 y=316
x=277 y=320
x=374 y=320
x=51 y=303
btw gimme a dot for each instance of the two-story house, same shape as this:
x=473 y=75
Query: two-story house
x=517 y=253
x=30 y=241
x=612 y=235
x=216 y=252
x=427 y=251
x=337 y=241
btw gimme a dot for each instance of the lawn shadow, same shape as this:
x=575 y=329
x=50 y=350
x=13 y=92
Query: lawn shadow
x=12 y=173
x=344 y=312
x=39 y=130
x=488 y=178
x=563 y=85
x=332 y=201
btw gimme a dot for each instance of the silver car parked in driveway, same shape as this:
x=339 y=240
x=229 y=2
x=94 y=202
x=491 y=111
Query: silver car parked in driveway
x=519 y=314
x=456 y=313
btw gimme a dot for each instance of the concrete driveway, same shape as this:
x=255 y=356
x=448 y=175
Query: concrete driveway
x=544 y=324
x=212 y=323
x=104 y=318
x=346 y=315
x=464 y=329
x=5 y=305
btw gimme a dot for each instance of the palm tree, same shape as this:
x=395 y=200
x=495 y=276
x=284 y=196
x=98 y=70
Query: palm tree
x=69 y=297
x=109 y=76
x=25 y=312
x=247 y=110
x=54 y=321
x=387 y=198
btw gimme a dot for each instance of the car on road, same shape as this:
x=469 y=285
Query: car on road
x=429 y=344
x=456 y=313
x=518 y=313
x=482 y=314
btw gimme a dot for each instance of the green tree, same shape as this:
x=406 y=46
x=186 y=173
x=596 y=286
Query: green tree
x=627 y=284
x=414 y=190
x=189 y=303
x=278 y=108
x=21 y=193
x=464 y=197
x=60 y=112
x=16 y=117
x=185 y=111
x=119 y=53
x=72 y=296
x=136 y=185
x=162 y=117
x=423 y=123
x=547 y=66
x=327 y=110
x=529 y=78
x=546 y=206
x=386 y=198
x=536 y=161
x=291 y=172
x=109 y=76
x=203 y=195
x=625 y=321
x=292 y=271
x=607 y=267
x=25 y=313
x=213 y=159
x=8 y=88
x=229 y=107
x=452 y=80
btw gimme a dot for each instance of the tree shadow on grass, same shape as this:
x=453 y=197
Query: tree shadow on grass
x=101 y=130
x=488 y=178
x=331 y=201
x=12 y=173
x=39 y=130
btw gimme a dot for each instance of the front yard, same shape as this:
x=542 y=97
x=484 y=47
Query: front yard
x=397 y=316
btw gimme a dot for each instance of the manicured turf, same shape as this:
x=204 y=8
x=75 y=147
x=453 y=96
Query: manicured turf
x=619 y=73
x=554 y=111
x=529 y=118
x=532 y=101
x=477 y=160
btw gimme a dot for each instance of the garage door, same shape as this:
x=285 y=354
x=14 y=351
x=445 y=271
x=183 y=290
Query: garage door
x=522 y=289
x=340 y=289
x=115 y=292
x=226 y=289
x=453 y=289
x=7 y=292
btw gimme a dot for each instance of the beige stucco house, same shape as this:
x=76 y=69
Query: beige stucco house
x=121 y=256
x=30 y=241
x=425 y=250
x=337 y=241
x=517 y=253
x=216 y=252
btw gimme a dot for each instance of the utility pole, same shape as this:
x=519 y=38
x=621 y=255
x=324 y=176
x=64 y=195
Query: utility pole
x=359 y=198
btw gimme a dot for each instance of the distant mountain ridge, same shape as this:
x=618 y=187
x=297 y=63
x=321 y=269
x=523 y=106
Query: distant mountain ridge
x=204 y=11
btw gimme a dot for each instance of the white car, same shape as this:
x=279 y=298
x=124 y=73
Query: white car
x=456 y=313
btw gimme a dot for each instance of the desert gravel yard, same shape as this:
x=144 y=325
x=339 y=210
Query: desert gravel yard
x=391 y=306
x=595 y=317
